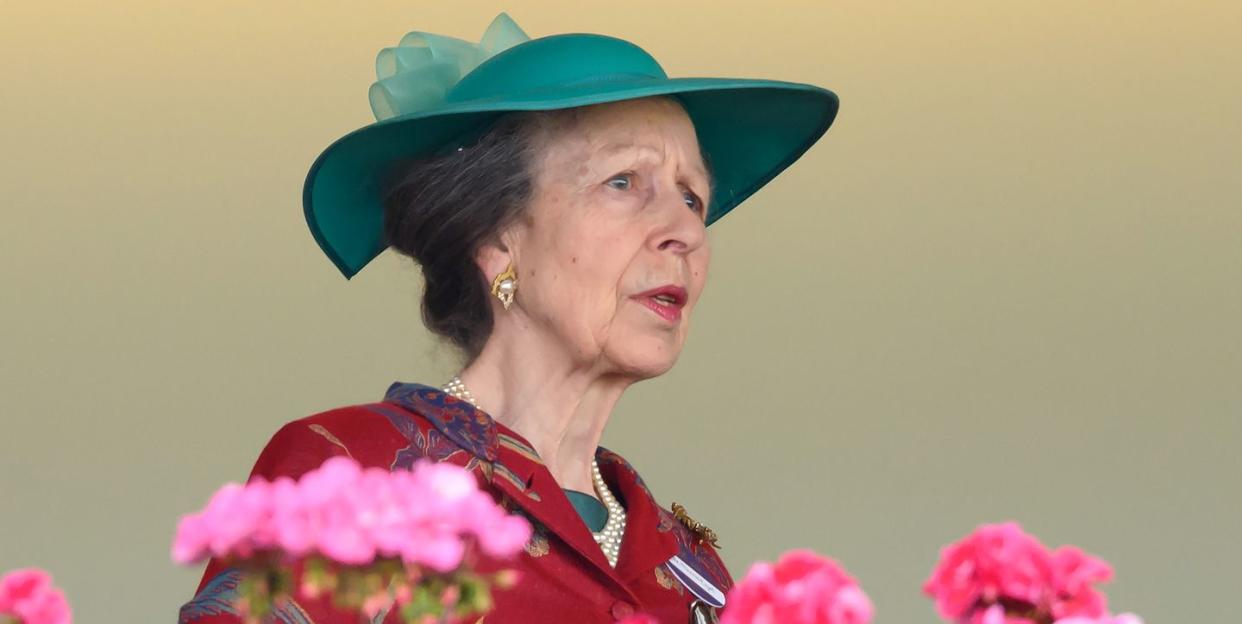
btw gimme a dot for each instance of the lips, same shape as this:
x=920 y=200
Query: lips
x=665 y=301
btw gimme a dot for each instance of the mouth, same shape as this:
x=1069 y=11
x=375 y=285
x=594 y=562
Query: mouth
x=666 y=301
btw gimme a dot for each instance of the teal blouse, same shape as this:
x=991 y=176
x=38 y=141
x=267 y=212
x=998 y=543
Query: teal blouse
x=593 y=512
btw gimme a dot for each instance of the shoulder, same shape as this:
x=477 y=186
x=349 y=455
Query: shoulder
x=370 y=433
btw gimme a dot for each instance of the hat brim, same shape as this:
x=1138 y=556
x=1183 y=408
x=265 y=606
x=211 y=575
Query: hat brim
x=750 y=130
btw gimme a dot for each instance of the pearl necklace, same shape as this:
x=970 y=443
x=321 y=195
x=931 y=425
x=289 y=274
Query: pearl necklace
x=458 y=389
x=609 y=538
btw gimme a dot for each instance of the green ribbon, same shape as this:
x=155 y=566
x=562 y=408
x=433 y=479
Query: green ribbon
x=416 y=75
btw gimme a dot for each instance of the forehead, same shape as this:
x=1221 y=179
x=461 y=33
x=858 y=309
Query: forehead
x=649 y=127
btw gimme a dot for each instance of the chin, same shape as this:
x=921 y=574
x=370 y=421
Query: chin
x=646 y=358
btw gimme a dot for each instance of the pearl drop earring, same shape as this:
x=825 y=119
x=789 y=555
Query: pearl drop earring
x=504 y=286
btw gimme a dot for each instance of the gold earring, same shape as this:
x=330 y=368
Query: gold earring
x=504 y=286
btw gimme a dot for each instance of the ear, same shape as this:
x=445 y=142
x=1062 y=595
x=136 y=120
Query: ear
x=494 y=257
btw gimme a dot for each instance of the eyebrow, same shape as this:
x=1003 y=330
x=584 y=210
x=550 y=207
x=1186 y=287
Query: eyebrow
x=613 y=148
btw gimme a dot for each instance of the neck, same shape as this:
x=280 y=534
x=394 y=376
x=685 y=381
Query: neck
x=559 y=406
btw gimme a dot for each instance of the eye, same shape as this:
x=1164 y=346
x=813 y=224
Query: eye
x=626 y=178
x=693 y=201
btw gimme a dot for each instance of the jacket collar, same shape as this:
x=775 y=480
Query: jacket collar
x=513 y=465
x=471 y=429
x=475 y=431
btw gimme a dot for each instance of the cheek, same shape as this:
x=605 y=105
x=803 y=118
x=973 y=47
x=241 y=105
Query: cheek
x=597 y=255
x=584 y=275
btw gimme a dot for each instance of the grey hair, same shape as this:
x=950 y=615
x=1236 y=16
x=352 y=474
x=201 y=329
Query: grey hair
x=443 y=208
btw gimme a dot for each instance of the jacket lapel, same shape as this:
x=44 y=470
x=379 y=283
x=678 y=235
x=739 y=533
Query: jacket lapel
x=642 y=550
x=513 y=467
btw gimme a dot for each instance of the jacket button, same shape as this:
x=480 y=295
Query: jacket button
x=622 y=610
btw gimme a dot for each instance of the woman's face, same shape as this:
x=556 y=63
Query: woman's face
x=613 y=252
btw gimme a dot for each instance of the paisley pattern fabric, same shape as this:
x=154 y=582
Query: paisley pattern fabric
x=564 y=577
x=459 y=421
x=217 y=597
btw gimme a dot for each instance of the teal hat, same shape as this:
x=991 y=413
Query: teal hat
x=433 y=91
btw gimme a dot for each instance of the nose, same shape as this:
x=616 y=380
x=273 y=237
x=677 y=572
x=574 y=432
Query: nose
x=681 y=229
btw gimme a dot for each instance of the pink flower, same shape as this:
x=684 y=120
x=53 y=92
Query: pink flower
x=995 y=614
x=996 y=561
x=295 y=527
x=430 y=516
x=230 y=524
x=191 y=540
x=376 y=603
x=1074 y=576
x=1124 y=618
x=449 y=482
x=1000 y=575
x=504 y=535
x=29 y=596
x=801 y=588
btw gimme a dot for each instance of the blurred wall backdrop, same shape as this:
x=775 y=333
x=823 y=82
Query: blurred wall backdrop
x=1007 y=285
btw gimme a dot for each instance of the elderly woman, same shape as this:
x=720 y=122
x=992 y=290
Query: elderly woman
x=555 y=193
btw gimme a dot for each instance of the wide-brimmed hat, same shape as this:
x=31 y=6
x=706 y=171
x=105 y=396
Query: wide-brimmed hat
x=433 y=90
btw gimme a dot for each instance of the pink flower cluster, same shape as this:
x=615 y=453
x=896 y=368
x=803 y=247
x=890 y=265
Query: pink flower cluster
x=1124 y=618
x=801 y=588
x=350 y=515
x=29 y=596
x=999 y=574
x=995 y=614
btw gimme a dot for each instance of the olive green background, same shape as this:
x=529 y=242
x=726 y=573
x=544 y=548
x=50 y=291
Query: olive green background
x=1006 y=285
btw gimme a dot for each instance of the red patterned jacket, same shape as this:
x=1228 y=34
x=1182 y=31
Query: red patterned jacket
x=664 y=570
